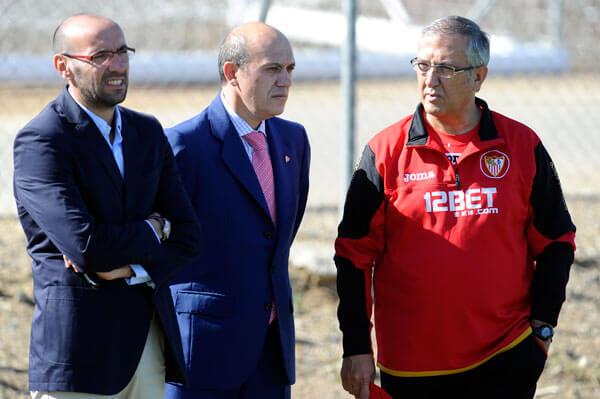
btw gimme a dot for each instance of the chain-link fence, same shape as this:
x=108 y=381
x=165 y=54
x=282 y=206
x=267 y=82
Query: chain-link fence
x=547 y=76
x=177 y=42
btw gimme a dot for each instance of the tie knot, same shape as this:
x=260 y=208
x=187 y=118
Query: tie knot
x=257 y=140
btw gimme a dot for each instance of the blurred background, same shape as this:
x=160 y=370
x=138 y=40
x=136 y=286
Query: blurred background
x=544 y=71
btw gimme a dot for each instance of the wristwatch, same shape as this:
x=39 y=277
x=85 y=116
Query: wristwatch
x=544 y=332
x=166 y=229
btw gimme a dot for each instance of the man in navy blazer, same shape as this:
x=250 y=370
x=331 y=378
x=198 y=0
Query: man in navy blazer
x=107 y=221
x=234 y=304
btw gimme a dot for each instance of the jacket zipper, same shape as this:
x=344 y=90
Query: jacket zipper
x=457 y=175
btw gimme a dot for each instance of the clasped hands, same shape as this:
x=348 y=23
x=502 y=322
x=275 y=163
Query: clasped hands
x=120 y=272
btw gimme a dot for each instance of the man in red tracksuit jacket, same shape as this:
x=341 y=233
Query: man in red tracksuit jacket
x=455 y=231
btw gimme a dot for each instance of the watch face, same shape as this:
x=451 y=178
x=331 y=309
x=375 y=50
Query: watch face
x=544 y=332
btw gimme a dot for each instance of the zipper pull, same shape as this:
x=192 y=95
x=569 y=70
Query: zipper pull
x=457 y=179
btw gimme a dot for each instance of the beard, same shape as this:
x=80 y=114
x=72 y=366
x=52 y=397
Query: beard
x=93 y=93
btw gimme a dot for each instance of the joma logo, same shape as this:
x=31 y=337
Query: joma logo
x=418 y=176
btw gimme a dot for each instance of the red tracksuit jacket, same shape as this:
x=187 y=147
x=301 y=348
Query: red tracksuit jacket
x=461 y=257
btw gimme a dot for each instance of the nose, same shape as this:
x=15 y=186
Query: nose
x=285 y=78
x=431 y=77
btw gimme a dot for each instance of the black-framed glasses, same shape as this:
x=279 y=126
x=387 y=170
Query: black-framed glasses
x=443 y=70
x=103 y=57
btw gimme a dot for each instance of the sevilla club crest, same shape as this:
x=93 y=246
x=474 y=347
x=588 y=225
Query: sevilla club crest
x=494 y=164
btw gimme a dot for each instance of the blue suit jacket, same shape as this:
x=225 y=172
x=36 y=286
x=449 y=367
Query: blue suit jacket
x=222 y=300
x=72 y=200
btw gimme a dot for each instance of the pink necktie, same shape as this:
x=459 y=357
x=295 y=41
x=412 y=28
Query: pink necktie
x=261 y=162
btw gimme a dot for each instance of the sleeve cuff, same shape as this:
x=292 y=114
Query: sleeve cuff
x=141 y=276
x=356 y=341
x=155 y=235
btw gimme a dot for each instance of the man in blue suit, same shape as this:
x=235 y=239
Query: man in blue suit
x=107 y=222
x=246 y=172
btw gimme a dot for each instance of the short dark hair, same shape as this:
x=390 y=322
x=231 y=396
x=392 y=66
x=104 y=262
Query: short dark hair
x=233 y=49
x=478 y=51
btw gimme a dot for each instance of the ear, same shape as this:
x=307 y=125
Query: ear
x=230 y=71
x=61 y=66
x=479 y=76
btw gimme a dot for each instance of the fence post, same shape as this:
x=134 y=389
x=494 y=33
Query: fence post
x=264 y=10
x=555 y=21
x=348 y=89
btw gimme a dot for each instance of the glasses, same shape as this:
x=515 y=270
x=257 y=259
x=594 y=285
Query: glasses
x=443 y=70
x=105 y=56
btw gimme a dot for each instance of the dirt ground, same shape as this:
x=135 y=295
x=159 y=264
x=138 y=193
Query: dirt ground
x=572 y=371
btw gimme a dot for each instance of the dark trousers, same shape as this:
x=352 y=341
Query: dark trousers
x=509 y=375
x=268 y=381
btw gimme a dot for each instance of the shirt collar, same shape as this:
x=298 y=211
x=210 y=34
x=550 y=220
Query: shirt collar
x=241 y=126
x=104 y=126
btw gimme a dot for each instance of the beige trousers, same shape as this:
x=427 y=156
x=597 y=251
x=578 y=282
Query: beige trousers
x=148 y=381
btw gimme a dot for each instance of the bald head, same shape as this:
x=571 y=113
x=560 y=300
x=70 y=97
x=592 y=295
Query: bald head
x=246 y=42
x=80 y=30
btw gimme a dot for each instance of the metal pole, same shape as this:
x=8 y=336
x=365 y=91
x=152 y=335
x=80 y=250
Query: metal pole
x=555 y=21
x=264 y=10
x=348 y=82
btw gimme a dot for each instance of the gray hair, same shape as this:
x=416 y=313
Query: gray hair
x=233 y=49
x=478 y=50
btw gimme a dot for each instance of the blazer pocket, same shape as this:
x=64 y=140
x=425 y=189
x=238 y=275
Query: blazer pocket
x=204 y=303
x=73 y=322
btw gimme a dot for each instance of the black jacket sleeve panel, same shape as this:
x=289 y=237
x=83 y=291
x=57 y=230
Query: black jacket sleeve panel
x=550 y=214
x=551 y=219
x=363 y=208
x=364 y=197
x=352 y=310
x=550 y=281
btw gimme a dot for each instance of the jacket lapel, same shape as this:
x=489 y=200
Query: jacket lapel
x=233 y=152
x=89 y=138
x=132 y=166
x=282 y=173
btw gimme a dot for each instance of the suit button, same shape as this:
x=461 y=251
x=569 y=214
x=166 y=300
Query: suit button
x=268 y=235
x=268 y=306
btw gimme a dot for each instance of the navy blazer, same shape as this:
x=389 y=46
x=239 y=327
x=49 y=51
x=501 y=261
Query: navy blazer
x=223 y=299
x=72 y=200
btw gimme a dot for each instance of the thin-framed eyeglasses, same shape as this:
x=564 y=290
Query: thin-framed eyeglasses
x=443 y=70
x=103 y=57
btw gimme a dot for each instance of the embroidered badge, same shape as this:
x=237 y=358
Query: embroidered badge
x=494 y=164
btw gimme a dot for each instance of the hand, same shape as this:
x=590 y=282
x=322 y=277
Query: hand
x=70 y=265
x=357 y=373
x=545 y=344
x=121 y=272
